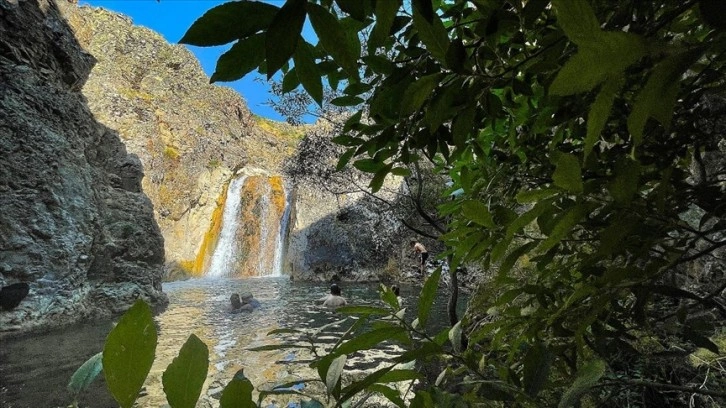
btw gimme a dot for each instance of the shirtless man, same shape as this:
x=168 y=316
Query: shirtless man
x=420 y=249
x=334 y=299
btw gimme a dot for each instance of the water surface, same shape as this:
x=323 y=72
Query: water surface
x=34 y=370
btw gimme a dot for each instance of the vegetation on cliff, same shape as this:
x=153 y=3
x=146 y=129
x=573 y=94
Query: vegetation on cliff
x=584 y=141
x=189 y=135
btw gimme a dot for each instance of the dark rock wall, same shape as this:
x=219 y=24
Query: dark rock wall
x=74 y=223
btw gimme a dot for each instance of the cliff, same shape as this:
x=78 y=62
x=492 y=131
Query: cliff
x=341 y=231
x=190 y=136
x=75 y=225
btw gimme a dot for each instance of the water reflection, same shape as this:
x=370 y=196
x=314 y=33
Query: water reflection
x=201 y=307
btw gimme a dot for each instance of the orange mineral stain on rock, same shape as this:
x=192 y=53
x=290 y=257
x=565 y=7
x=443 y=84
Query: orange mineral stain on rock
x=198 y=265
x=262 y=205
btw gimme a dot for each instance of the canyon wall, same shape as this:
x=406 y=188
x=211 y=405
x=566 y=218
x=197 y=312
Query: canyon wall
x=76 y=230
x=192 y=137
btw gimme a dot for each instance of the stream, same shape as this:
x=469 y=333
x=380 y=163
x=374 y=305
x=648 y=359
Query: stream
x=35 y=369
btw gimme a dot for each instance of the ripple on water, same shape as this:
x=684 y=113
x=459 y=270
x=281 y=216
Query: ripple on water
x=201 y=307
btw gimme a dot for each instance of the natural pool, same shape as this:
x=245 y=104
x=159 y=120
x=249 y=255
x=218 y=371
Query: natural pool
x=35 y=369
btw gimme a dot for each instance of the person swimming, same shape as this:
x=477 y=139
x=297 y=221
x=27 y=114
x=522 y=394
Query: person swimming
x=244 y=303
x=334 y=299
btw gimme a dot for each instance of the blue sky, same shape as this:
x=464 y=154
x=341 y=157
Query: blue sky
x=171 y=18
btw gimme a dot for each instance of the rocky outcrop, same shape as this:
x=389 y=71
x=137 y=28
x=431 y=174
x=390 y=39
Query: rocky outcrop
x=74 y=222
x=340 y=231
x=190 y=136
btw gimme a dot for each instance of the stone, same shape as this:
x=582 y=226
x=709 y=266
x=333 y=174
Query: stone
x=190 y=136
x=76 y=228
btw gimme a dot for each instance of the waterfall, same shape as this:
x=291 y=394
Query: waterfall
x=281 y=236
x=224 y=254
x=253 y=233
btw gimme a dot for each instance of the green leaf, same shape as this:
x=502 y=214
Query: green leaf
x=228 y=22
x=347 y=100
x=587 y=377
x=290 y=81
x=332 y=378
x=389 y=297
x=441 y=108
x=307 y=71
x=243 y=57
x=418 y=92
x=401 y=171
x=385 y=13
x=425 y=8
x=270 y=347
x=399 y=375
x=378 y=179
x=626 y=182
x=357 y=88
x=513 y=256
x=389 y=393
x=353 y=121
x=282 y=35
x=129 y=353
x=537 y=363
x=463 y=125
x=455 y=336
x=368 y=340
x=86 y=373
x=599 y=112
x=334 y=39
x=529 y=216
x=428 y=294
x=363 y=310
x=571 y=217
x=532 y=10
x=456 y=56
x=658 y=97
x=368 y=165
x=432 y=34
x=184 y=377
x=478 y=212
x=612 y=236
x=358 y=386
x=379 y=64
x=567 y=173
x=577 y=20
x=238 y=393
x=354 y=8
x=344 y=159
x=609 y=54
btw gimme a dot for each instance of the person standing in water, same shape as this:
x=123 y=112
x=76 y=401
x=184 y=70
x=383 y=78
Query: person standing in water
x=334 y=299
x=418 y=248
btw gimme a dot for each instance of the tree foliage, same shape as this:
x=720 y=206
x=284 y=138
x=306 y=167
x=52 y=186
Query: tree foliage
x=585 y=137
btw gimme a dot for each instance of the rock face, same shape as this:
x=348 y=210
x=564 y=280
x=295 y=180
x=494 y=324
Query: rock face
x=75 y=224
x=190 y=136
x=339 y=230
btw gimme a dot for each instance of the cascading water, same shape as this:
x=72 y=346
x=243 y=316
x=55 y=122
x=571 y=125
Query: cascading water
x=224 y=254
x=254 y=228
x=282 y=235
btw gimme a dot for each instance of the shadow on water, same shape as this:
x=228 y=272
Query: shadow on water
x=35 y=369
